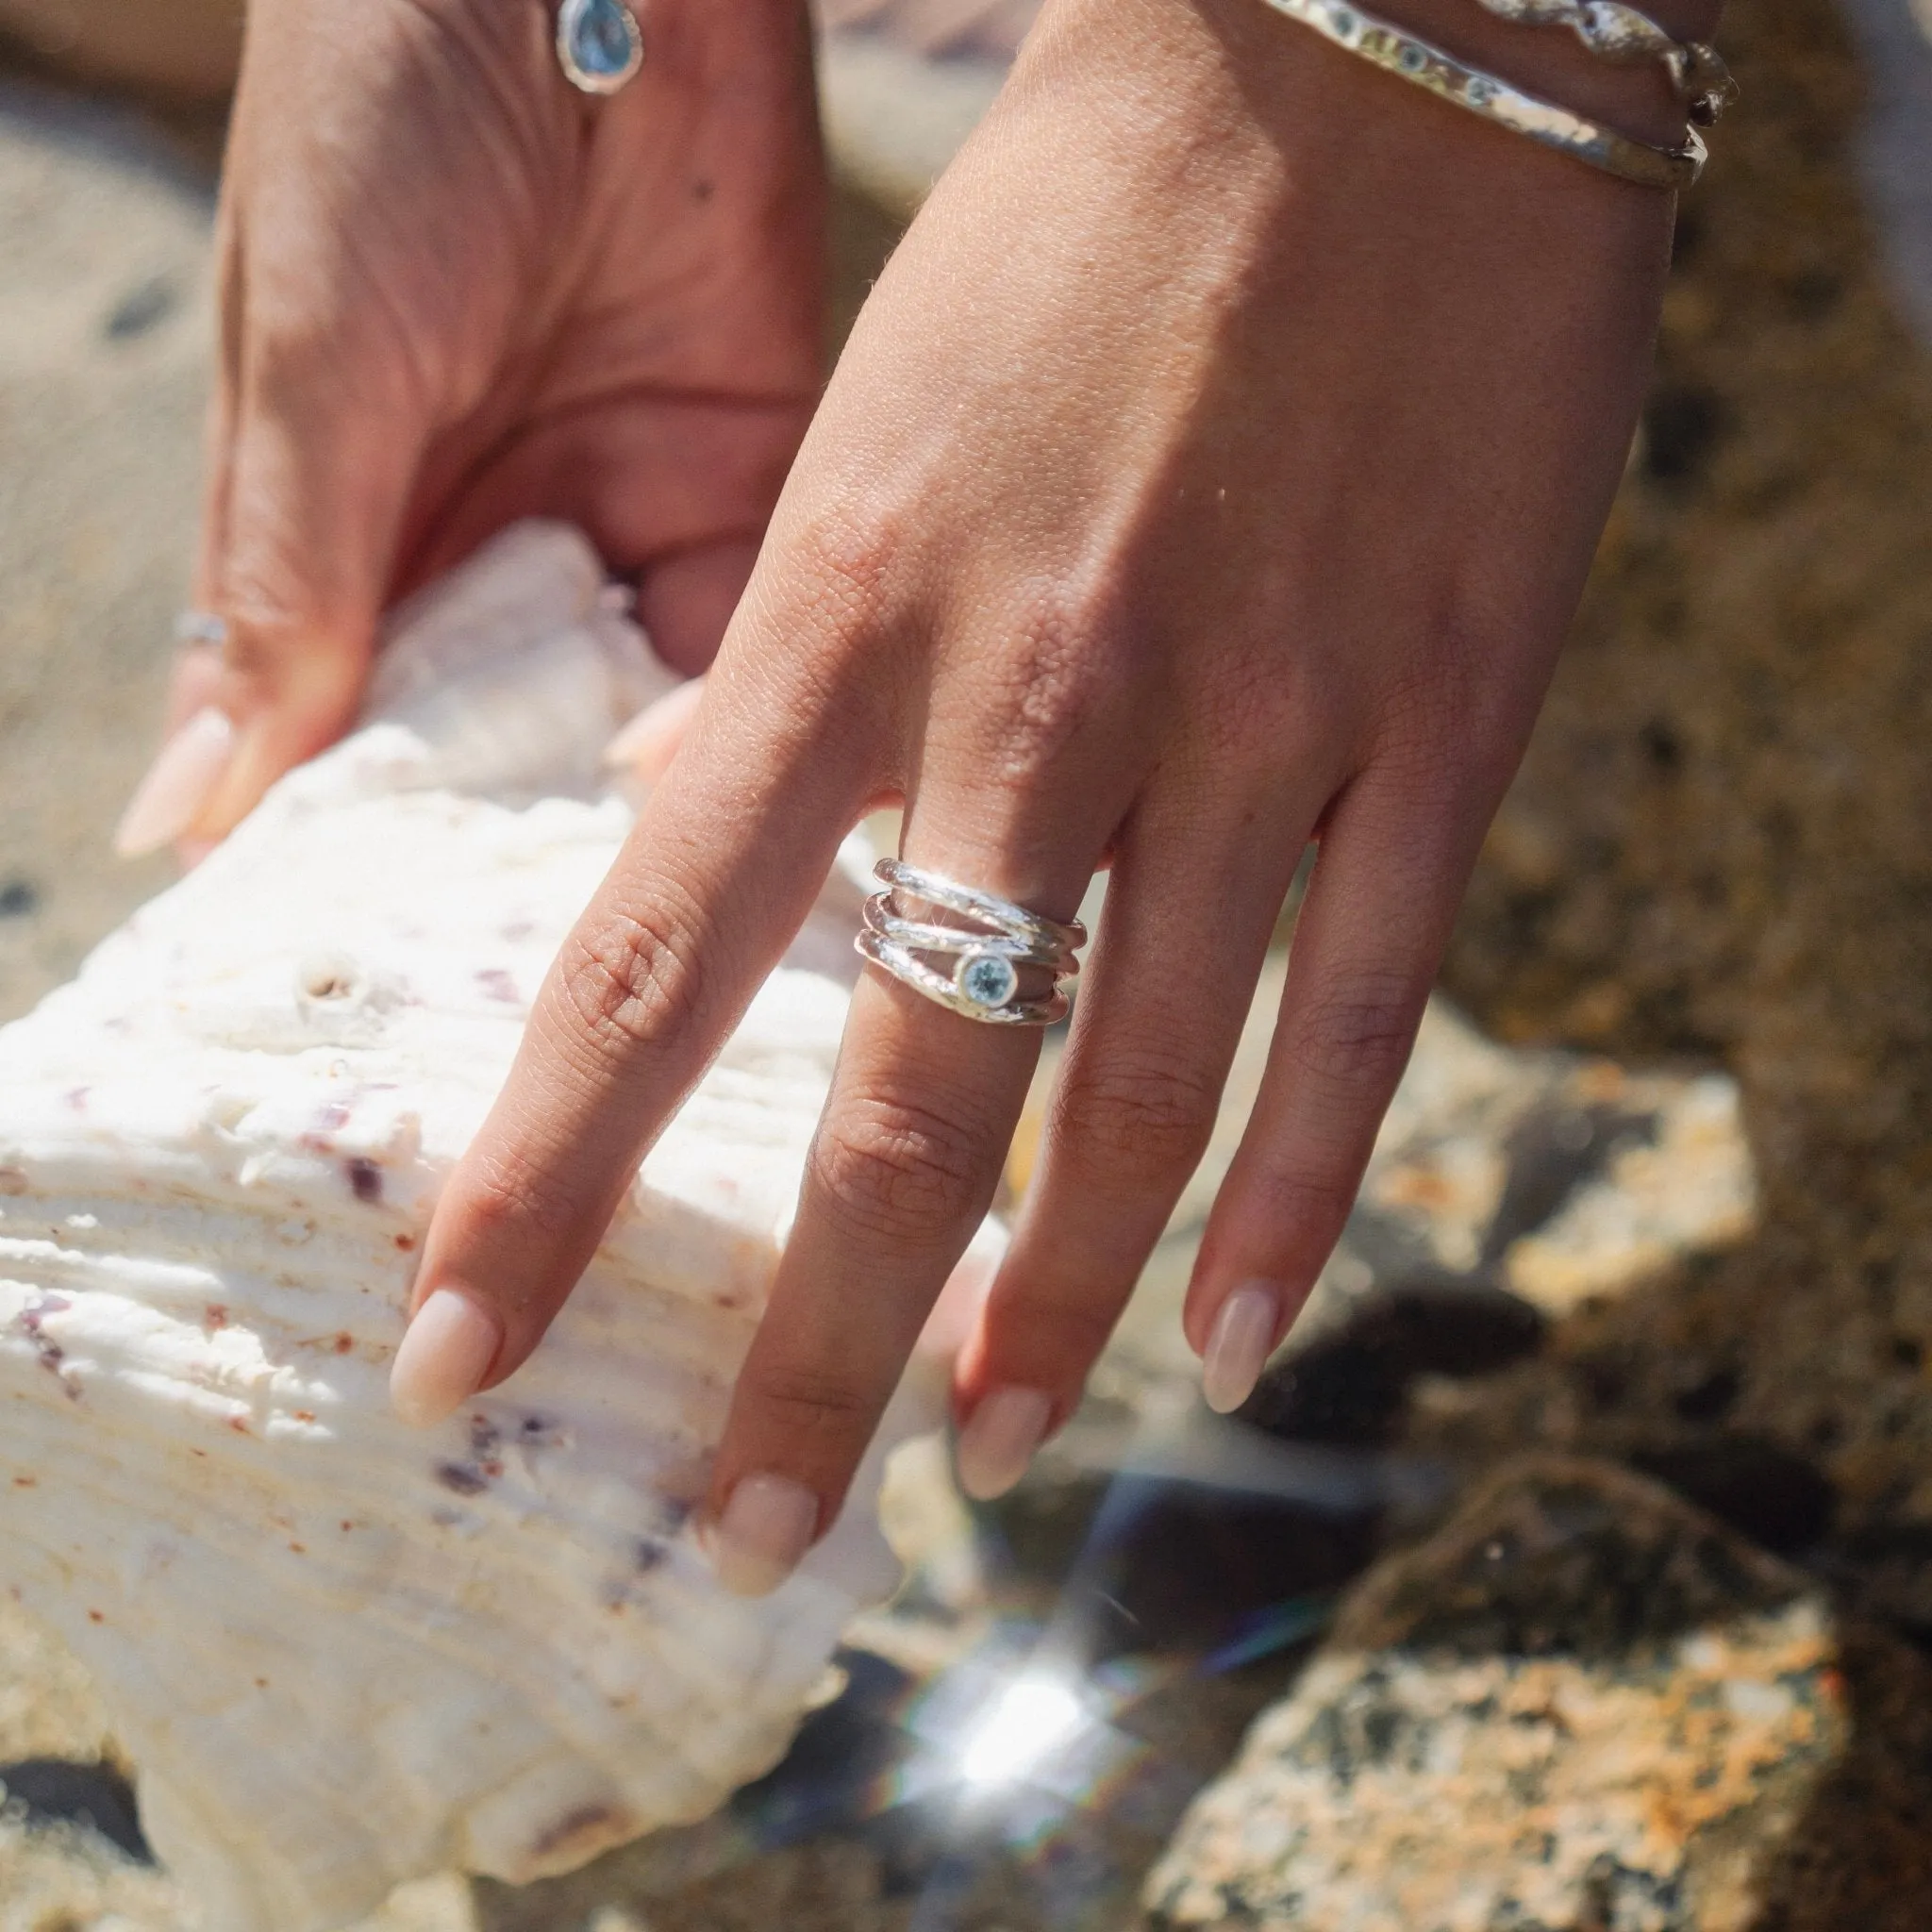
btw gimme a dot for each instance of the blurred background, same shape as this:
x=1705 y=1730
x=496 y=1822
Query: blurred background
x=1631 y=1338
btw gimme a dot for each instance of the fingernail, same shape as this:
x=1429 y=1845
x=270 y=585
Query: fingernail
x=648 y=743
x=179 y=783
x=1239 y=1345
x=766 y=1528
x=446 y=1354
x=999 y=1439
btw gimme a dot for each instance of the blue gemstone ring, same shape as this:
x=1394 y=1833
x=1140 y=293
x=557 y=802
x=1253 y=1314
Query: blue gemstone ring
x=201 y=628
x=599 y=44
x=1000 y=963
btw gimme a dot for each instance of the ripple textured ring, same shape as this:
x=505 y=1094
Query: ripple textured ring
x=978 y=967
x=599 y=44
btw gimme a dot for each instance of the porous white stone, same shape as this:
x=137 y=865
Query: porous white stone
x=343 y=1653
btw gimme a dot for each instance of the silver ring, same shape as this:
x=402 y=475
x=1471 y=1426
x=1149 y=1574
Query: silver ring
x=599 y=44
x=987 y=957
x=202 y=627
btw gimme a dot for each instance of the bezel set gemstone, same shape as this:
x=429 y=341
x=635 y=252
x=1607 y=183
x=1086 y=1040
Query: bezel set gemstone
x=970 y=959
x=988 y=979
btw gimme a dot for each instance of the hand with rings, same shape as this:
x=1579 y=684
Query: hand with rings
x=1214 y=470
x=458 y=289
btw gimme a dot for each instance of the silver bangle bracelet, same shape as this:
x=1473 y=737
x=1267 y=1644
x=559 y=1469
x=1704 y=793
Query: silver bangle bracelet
x=1449 y=79
x=1624 y=37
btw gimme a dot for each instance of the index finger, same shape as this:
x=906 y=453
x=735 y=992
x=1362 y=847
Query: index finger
x=715 y=879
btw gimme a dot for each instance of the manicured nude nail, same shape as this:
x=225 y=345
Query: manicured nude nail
x=999 y=1439
x=648 y=743
x=447 y=1353
x=765 y=1529
x=179 y=783
x=1240 y=1344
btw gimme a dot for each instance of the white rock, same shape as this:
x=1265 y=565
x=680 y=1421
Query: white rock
x=344 y=1654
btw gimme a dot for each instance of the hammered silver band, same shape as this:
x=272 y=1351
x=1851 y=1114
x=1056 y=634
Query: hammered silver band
x=1427 y=66
x=201 y=627
x=1624 y=37
x=988 y=953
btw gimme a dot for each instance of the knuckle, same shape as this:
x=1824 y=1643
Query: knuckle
x=1303 y=1204
x=892 y=1169
x=1137 y=1109
x=843 y=562
x=807 y=1403
x=1426 y=750
x=631 y=982
x=1356 y=1035
x=507 y=1200
x=1057 y=677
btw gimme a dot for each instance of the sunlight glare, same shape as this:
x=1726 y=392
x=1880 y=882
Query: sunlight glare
x=1029 y=1720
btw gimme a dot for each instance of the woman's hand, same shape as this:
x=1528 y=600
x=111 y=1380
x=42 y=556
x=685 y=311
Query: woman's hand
x=455 y=291
x=1215 y=468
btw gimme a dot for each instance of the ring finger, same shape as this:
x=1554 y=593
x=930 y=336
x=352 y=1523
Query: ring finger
x=1135 y=1102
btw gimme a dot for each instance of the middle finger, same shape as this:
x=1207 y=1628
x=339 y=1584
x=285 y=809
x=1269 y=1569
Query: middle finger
x=902 y=1171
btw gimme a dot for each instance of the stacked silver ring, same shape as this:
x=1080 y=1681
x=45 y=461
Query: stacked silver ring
x=201 y=627
x=985 y=957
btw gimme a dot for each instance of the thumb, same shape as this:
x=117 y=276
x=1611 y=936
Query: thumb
x=646 y=745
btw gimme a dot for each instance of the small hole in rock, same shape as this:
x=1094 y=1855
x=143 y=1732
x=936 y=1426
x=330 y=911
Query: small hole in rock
x=52 y=1790
x=330 y=977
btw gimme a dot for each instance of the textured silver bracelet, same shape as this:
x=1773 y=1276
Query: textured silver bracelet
x=1624 y=37
x=1428 y=67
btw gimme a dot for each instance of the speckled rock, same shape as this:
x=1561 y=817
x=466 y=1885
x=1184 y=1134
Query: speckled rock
x=1582 y=1706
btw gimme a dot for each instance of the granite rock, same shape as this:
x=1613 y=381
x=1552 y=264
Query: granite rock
x=1581 y=1707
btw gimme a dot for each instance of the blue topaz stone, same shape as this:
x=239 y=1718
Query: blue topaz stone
x=988 y=979
x=598 y=44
